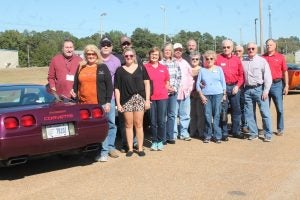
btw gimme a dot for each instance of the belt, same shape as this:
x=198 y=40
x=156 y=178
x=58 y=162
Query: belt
x=277 y=80
x=231 y=84
x=253 y=86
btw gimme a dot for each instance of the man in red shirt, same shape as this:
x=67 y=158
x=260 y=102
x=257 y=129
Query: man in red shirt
x=62 y=69
x=280 y=81
x=234 y=77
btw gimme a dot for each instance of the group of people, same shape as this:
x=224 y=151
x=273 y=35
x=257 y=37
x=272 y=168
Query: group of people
x=184 y=92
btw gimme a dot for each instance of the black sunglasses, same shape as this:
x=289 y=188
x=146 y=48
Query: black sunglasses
x=126 y=43
x=106 y=45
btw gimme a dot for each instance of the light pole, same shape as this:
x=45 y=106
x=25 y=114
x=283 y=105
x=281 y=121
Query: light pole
x=198 y=44
x=101 y=23
x=261 y=28
x=270 y=24
x=255 y=30
x=165 y=35
x=28 y=57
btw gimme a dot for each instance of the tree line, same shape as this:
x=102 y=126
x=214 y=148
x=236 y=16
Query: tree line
x=40 y=47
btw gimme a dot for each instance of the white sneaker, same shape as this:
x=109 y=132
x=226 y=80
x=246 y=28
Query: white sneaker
x=100 y=158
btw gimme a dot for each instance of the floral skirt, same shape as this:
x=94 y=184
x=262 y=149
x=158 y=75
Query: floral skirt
x=135 y=103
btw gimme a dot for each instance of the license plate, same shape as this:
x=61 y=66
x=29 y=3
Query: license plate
x=57 y=130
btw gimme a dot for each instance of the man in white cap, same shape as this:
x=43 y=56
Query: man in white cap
x=183 y=94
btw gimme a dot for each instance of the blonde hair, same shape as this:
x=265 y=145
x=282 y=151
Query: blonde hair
x=132 y=50
x=169 y=45
x=94 y=48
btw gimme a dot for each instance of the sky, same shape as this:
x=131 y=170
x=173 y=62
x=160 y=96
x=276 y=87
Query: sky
x=234 y=19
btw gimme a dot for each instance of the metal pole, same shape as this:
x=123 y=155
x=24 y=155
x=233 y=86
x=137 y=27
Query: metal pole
x=28 y=57
x=261 y=28
x=255 y=30
x=101 y=23
x=164 y=21
x=270 y=24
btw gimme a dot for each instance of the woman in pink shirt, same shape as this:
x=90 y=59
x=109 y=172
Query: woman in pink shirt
x=159 y=77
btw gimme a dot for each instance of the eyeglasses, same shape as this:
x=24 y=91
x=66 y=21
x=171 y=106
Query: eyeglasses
x=238 y=51
x=128 y=56
x=106 y=45
x=209 y=59
x=252 y=48
x=178 y=49
x=195 y=59
x=126 y=43
x=226 y=47
x=91 y=54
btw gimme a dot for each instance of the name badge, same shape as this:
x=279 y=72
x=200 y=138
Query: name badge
x=70 y=77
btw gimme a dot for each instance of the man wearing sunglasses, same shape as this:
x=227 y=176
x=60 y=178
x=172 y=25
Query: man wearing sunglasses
x=258 y=80
x=126 y=42
x=234 y=77
x=112 y=62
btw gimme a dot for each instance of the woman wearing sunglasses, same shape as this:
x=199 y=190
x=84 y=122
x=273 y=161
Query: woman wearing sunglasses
x=197 y=112
x=212 y=90
x=132 y=91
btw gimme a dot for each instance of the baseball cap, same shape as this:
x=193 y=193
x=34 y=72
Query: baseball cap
x=125 y=39
x=105 y=40
x=177 y=46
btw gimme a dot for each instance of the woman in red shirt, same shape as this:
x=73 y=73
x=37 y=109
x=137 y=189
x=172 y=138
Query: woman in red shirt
x=159 y=76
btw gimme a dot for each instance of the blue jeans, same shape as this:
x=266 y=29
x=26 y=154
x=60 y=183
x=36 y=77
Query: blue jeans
x=235 y=107
x=183 y=109
x=109 y=143
x=276 y=94
x=242 y=103
x=158 y=112
x=212 y=110
x=253 y=96
x=171 y=117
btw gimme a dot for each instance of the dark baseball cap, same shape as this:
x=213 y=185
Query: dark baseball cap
x=105 y=40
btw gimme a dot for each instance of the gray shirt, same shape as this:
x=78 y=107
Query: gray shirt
x=257 y=71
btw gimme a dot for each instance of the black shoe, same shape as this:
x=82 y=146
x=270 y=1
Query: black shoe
x=225 y=138
x=165 y=143
x=141 y=153
x=129 y=153
x=171 y=141
x=124 y=149
x=238 y=136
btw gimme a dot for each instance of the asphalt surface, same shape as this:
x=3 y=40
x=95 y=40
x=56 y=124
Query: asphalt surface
x=237 y=169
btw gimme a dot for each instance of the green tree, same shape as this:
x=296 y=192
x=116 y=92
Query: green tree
x=144 y=40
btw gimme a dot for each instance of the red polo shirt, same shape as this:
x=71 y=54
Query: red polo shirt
x=232 y=68
x=277 y=64
x=159 y=77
